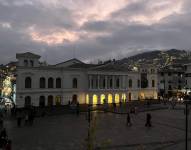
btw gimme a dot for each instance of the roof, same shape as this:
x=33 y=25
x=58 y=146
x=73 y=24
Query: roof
x=27 y=55
x=112 y=67
x=69 y=63
x=84 y=66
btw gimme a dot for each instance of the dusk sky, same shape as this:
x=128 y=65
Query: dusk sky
x=89 y=30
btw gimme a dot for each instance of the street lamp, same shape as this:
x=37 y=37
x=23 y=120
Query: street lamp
x=186 y=101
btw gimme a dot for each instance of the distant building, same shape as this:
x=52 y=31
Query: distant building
x=171 y=80
x=188 y=77
x=75 y=81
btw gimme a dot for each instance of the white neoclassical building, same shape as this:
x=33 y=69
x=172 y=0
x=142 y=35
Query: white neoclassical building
x=73 y=80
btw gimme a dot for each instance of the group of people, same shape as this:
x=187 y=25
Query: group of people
x=75 y=107
x=148 y=120
x=28 y=117
x=5 y=143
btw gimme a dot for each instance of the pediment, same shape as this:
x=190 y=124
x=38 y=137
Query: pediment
x=69 y=63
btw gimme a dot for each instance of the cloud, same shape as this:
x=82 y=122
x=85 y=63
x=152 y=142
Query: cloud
x=93 y=29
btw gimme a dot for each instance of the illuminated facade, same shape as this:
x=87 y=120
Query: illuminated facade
x=75 y=81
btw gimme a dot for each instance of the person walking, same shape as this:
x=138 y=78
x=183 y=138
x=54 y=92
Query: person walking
x=114 y=106
x=19 y=118
x=148 y=120
x=8 y=145
x=128 y=120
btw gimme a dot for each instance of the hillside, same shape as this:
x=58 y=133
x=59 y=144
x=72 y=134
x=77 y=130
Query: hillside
x=159 y=58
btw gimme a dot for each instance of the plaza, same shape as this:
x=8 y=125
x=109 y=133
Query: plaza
x=69 y=131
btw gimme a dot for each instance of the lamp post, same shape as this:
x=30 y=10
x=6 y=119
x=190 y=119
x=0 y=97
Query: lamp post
x=186 y=101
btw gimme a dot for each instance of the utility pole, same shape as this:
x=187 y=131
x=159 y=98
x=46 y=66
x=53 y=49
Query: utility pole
x=187 y=102
x=186 y=126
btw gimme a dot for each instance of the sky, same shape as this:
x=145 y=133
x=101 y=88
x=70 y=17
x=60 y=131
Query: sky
x=92 y=30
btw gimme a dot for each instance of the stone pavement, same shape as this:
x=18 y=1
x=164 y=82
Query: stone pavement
x=68 y=132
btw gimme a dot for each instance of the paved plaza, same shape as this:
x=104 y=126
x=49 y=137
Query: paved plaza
x=68 y=132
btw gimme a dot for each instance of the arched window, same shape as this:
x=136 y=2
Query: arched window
x=95 y=100
x=117 y=83
x=58 y=100
x=42 y=101
x=25 y=62
x=50 y=100
x=27 y=101
x=130 y=83
x=42 y=82
x=50 y=83
x=153 y=83
x=117 y=98
x=28 y=82
x=74 y=99
x=75 y=83
x=138 y=83
x=58 y=82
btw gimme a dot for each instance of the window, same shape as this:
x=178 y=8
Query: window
x=75 y=83
x=153 y=83
x=152 y=70
x=130 y=83
x=50 y=100
x=27 y=82
x=144 y=81
x=169 y=87
x=27 y=101
x=138 y=83
x=50 y=83
x=42 y=82
x=42 y=101
x=31 y=63
x=58 y=82
x=58 y=100
x=169 y=74
x=25 y=62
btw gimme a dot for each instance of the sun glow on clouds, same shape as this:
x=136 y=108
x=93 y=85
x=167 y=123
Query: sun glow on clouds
x=54 y=37
x=83 y=11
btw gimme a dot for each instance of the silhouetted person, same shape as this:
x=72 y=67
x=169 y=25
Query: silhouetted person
x=128 y=120
x=3 y=134
x=19 y=118
x=8 y=145
x=148 y=120
x=120 y=104
x=114 y=106
x=26 y=119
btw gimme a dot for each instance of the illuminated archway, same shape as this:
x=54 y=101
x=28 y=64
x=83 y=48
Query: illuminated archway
x=129 y=97
x=102 y=98
x=123 y=97
x=94 y=102
x=142 y=96
x=87 y=99
x=110 y=98
x=116 y=98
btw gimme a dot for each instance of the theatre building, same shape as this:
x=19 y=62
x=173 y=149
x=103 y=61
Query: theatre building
x=38 y=84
